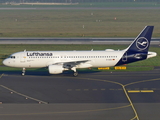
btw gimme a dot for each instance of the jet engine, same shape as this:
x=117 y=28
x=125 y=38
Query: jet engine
x=55 y=69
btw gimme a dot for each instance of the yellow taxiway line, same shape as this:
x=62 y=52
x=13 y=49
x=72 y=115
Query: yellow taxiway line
x=140 y=91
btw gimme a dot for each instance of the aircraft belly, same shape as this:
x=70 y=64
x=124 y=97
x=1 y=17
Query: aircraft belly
x=36 y=64
x=104 y=63
x=20 y=65
x=30 y=64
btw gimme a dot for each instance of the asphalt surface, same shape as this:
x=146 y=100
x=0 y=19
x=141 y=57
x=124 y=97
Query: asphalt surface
x=91 y=95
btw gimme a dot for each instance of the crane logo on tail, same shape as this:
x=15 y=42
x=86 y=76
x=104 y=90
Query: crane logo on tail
x=142 y=43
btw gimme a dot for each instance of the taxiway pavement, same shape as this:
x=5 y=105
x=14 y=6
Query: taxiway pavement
x=94 y=95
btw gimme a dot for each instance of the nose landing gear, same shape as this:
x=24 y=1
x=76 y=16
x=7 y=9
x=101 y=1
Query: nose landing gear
x=23 y=71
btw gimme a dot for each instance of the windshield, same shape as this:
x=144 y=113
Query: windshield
x=13 y=57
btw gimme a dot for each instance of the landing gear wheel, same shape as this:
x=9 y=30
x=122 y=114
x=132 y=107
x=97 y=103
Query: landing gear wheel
x=23 y=71
x=23 y=74
x=75 y=74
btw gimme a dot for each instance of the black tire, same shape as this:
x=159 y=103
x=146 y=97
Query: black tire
x=75 y=74
x=23 y=74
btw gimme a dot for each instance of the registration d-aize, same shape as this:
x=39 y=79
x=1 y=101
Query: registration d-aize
x=59 y=61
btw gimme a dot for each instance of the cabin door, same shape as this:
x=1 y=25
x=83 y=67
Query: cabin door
x=23 y=57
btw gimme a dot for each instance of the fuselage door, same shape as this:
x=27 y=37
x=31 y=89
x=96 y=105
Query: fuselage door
x=23 y=57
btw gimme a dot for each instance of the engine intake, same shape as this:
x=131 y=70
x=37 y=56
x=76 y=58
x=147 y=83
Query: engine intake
x=55 y=69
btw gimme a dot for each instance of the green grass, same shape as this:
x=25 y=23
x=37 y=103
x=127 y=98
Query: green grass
x=6 y=50
x=149 y=64
x=69 y=23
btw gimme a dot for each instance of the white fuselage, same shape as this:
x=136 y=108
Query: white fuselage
x=39 y=59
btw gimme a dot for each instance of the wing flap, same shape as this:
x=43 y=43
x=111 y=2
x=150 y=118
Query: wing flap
x=78 y=64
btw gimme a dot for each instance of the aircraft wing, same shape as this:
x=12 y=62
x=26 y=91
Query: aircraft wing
x=71 y=64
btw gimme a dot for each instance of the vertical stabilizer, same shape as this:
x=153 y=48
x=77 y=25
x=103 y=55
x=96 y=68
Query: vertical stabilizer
x=142 y=41
x=138 y=49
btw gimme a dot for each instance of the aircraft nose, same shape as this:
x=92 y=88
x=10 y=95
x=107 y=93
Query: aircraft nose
x=5 y=62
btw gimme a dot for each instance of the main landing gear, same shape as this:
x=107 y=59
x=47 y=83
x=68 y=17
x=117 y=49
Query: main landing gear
x=75 y=73
x=23 y=71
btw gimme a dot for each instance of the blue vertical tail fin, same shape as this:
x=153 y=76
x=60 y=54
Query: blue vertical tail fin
x=142 y=41
x=138 y=49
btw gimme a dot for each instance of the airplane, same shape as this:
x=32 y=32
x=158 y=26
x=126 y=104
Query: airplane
x=59 y=61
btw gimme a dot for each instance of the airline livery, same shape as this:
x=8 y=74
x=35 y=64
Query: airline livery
x=59 y=61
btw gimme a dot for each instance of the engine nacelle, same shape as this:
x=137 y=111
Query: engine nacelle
x=55 y=69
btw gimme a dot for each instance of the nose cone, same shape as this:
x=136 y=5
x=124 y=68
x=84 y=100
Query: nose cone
x=6 y=62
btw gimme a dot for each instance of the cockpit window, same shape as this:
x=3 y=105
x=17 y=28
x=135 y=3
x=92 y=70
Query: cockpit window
x=13 y=57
